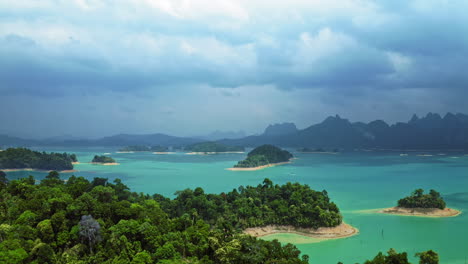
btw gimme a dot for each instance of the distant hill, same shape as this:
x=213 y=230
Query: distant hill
x=217 y=135
x=116 y=140
x=280 y=129
x=429 y=132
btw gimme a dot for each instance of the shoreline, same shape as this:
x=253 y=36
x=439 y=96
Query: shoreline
x=343 y=230
x=259 y=167
x=212 y=153
x=163 y=153
x=105 y=164
x=421 y=212
x=37 y=170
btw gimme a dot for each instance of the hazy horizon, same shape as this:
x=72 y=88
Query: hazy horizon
x=188 y=68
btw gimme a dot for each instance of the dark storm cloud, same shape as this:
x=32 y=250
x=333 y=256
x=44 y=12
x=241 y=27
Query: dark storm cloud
x=335 y=54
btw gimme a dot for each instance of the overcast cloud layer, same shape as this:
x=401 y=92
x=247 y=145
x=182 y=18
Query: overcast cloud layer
x=97 y=67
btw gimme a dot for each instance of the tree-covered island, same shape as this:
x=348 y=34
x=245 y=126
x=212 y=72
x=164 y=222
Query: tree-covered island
x=103 y=160
x=23 y=158
x=263 y=156
x=212 y=147
x=141 y=148
x=420 y=204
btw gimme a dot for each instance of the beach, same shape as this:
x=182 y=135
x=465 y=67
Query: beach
x=424 y=212
x=323 y=233
x=105 y=164
x=259 y=167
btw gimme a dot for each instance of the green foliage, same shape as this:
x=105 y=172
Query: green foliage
x=393 y=257
x=100 y=222
x=420 y=200
x=264 y=155
x=103 y=159
x=19 y=158
x=428 y=257
x=265 y=204
x=212 y=147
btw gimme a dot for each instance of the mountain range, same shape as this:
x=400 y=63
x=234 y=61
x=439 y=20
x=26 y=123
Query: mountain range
x=429 y=132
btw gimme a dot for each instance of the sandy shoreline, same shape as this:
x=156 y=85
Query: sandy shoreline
x=211 y=153
x=323 y=233
x=423 y=212
x=259 y=167
x=105 y=164
x=38 y=170
x=163 y=153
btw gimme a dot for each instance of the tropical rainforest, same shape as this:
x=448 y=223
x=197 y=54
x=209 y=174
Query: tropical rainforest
x=81 y=221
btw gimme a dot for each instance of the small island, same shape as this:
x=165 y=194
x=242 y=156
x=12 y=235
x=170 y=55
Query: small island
x=420 y=204
x=16 y=159
x=263 y=157
x=103 y=160
x=141 y=148
x=212 y=148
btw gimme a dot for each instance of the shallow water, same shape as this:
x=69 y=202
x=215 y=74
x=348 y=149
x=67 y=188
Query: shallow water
x=355 y=181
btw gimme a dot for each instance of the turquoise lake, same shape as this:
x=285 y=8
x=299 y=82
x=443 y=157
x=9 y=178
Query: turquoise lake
x=356 y=181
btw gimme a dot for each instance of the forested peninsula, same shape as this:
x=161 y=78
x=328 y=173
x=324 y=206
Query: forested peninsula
x=420 y=204
x=23 y=158
x=142 y=148
x=262 y=157
x=212 y=148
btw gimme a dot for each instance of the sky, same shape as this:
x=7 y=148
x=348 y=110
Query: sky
x=91 y=68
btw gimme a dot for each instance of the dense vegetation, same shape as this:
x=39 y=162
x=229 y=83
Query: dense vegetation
x=103 y=159
x=145 y=148
x=290 y=204
x=264 y=155
x=79 y=221
x=212 y=147
x=393 y=257
x=421 y=200
x=19 y=158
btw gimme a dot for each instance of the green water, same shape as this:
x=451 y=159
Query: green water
x=355 y=181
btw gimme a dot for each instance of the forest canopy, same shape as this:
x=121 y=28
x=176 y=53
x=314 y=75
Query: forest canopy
x=81 y=221
x=20 y=158
x=420 y=200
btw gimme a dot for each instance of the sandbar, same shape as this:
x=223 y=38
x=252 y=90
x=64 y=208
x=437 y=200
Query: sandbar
x=322 y=233
x=424 y=212
x=259 y=167
x=125 y=152
x=163 y=153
